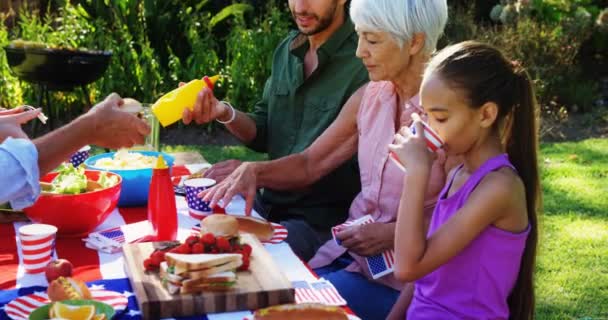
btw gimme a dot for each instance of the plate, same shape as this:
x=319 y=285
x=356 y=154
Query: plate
x=42 y=313
x=279 y=235
x=21 y=307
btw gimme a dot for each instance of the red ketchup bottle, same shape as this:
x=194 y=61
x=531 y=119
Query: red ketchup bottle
x=162 y=212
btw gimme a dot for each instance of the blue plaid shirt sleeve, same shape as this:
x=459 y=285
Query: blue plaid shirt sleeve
x=19 y=165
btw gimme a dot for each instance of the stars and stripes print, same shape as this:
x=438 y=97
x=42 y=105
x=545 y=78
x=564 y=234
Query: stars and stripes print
x=378 y=265
x=321 y=291
x=115 y=234
x=21 y=307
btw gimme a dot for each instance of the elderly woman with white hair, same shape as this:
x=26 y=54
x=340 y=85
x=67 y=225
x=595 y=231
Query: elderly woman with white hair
x=396 y=39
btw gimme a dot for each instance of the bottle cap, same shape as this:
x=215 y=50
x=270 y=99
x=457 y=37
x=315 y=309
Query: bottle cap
x=160 y=163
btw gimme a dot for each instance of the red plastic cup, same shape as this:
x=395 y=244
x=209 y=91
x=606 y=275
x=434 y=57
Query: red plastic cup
x=37 y=244
x=433 y=141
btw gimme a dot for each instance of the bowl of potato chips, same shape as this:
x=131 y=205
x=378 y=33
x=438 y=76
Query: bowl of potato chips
x=135 y=168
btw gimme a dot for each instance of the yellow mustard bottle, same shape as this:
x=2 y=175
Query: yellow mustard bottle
x=169 y=108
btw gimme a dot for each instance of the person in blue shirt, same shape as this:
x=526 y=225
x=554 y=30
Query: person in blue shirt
x=23 y=161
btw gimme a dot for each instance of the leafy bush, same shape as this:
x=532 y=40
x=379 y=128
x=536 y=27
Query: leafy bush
x=547 y=49
x=10 y=89
x=250 y=52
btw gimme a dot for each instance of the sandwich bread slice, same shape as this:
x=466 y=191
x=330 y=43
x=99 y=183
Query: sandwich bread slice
x=192 y=273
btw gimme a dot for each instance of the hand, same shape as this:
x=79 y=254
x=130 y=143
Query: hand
x=243 y=180
x=206 y=108
x=113 y=128
x=368 y=239
x=221 y=170
x=11 y=121
x=410 y=149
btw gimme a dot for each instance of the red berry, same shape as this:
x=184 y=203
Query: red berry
x=157 y=257
x=245 y=265
x=198 y=248
x=148 y=265
x=208 y=239
x=223 y=244
x=184 y=249
x=214 y=250
x=191 y=240
x=247 y=249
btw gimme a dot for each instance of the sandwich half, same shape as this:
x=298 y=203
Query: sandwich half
x=193 y=273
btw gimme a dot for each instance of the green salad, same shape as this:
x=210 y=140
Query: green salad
x=72 y=180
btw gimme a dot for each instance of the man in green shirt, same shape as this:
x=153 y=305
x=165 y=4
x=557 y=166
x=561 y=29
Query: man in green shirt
x=314 y=72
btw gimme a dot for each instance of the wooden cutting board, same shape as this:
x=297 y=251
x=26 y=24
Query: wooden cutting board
x=261 y=286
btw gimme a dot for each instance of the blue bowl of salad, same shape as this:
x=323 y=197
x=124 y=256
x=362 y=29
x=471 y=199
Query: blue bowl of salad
x=135 y=168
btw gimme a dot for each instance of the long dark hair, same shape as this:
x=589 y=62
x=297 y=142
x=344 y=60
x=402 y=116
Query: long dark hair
x=484 y=75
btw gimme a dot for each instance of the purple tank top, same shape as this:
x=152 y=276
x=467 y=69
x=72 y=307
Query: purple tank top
x=476 y=283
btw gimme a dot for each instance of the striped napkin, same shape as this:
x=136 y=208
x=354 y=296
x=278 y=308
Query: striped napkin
x=320 y=291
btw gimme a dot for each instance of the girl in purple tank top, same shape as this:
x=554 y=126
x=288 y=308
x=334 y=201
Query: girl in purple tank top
x=476 y=258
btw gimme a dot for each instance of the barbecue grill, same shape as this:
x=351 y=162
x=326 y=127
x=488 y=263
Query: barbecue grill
x=56 y=69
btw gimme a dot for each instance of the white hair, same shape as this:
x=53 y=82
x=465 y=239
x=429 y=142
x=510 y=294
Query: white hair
x=402 y=18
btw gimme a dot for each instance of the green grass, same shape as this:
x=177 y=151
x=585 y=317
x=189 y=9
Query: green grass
x=215 y=154
x=572 y=268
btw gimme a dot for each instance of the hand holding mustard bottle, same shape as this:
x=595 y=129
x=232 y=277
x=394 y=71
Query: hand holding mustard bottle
x=187 y=100
x=206 y=109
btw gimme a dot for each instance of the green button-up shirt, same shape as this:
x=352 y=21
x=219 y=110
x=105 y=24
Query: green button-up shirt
x=294 y=111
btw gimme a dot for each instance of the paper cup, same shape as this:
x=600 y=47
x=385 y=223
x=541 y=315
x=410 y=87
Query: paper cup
x=433 y=140
x=198 y=208
x=37 y=244
x=80 y=156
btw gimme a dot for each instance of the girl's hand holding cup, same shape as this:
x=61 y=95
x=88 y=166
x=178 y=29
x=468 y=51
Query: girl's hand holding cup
x=414 y=146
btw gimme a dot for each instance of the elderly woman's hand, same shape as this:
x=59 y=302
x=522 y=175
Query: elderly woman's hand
x=368 y=239
x=243 y=181
x=222 y=170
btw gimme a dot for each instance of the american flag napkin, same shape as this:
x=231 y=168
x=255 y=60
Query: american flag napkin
x=320 y=291
x=108 y=241
x=111 y=240
x=378 y=265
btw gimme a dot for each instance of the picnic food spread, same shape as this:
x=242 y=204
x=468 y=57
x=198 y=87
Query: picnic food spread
x=220 y=225
x=72 y=180
x=262 y=229
x=125 y=160
x=220 y=236
x=300 y=312
x=190 y=273
x=66 y=288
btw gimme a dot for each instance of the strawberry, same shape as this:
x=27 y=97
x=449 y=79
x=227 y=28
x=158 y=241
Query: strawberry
x=191 y=240
x=148 y=265
x=208 y=239
x=157 y=257
x=245 y=265
x=223 y=245
x=182 y=248
x=198 y=248
x=247 y=249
